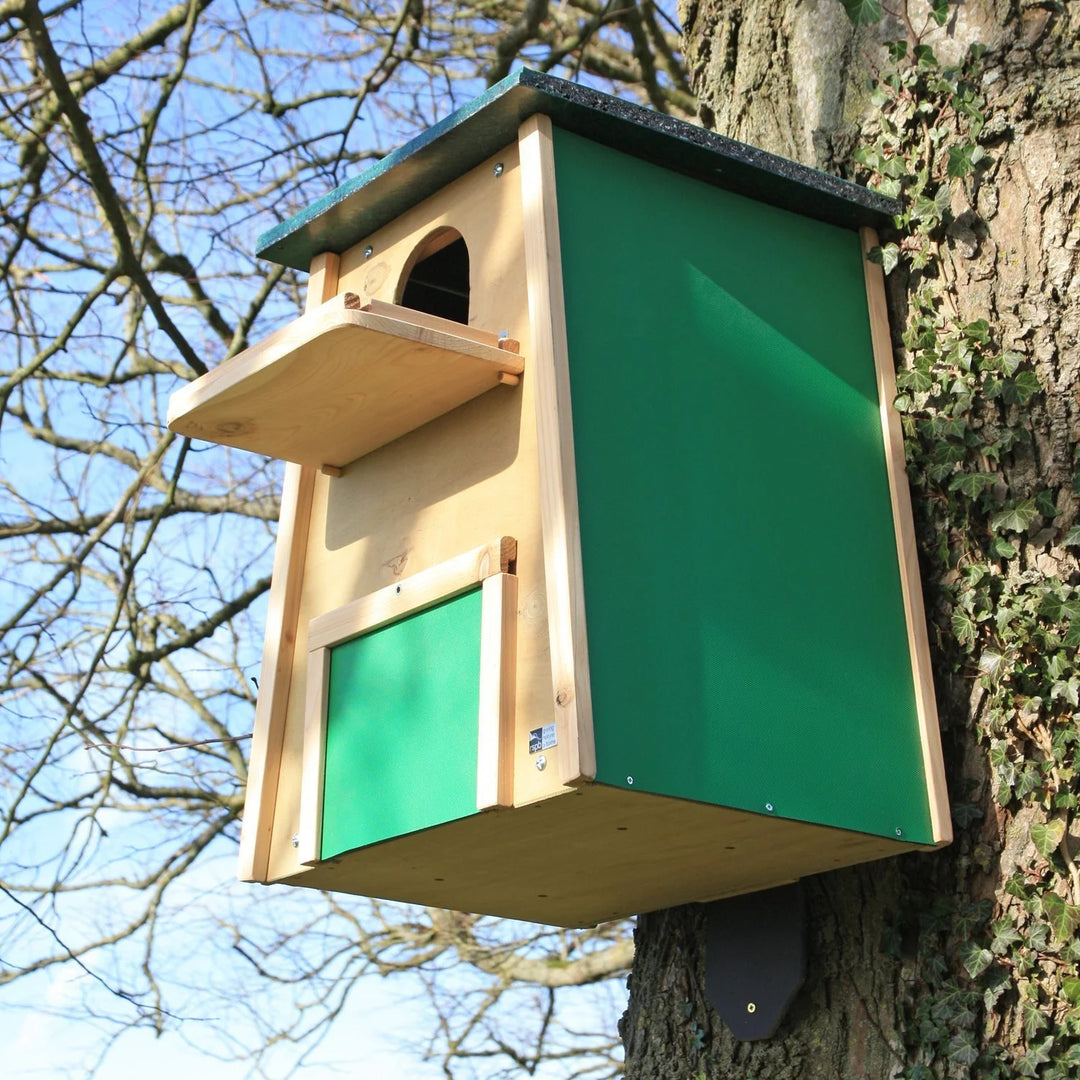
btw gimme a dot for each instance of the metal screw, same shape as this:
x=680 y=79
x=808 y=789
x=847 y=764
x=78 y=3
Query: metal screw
x=498 y=168
x=541 y=763
x=768 y=806
x=368 y=251
x=899 y=832
x=629 y=779
x=295 y=839
x=751 y=1007
x=398 y=589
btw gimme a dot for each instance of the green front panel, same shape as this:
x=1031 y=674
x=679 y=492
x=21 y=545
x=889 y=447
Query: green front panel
x=401 y=727
x=746 y=632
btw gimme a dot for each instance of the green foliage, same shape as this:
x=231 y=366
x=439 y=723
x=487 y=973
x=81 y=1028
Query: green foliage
x=863 y=12
x=998 y=991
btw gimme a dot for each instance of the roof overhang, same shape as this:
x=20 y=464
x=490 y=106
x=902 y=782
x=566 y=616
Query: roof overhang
x=467 y=137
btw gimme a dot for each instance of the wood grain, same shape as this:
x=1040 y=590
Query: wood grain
x=336 y=384
x=412 y=594
x=422 y=318
x=549 y=367
x=444 y=488
x=594 y=854
x=279 y=640
x=309 y=833
x=498 y=671
x=907 y=552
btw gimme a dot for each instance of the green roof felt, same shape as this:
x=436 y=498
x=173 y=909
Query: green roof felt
x=462 y=140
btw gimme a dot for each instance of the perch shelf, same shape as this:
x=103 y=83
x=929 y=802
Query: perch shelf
x=342 y=381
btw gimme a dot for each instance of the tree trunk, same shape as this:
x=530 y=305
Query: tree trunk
x=950 y=963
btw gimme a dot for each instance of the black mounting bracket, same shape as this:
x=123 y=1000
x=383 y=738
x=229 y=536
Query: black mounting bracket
x=755 y=958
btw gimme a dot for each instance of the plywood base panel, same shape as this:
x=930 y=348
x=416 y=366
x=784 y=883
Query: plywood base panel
x=594 y=854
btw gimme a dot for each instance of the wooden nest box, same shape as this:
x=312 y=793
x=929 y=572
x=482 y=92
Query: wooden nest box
x=595 y=588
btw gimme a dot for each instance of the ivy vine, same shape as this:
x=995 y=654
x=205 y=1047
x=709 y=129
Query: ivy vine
x=995 y=989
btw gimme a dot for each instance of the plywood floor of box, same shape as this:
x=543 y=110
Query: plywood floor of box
x=594 y=854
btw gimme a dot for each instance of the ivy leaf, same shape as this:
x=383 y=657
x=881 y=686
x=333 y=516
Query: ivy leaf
x=1044 y=503
x=1072 y=537
x=1005 y=936
x=1028 y=780
x=954 y=1005
x=963 y=627
x=975 y=958
x=940 y=11
x=1020 y=390
x=886 y=256
x=1034 y=1020
x=1029 y=1064
x=1069 y=689
x=1009 y=361
x=962 y=1048
x=1001 y=547
x=1038 y=938
x=863 y=12
x=1018 y=887
x=924 y=56
x=1057 y=609
x=998 y=982
x=1071 y=989
x=960 y=163
x=1015 y=518
x=1047 y=837
x=915 y=379
x=1063 y=918
x=1057 y=664
x=972 y=484
x=931 y=210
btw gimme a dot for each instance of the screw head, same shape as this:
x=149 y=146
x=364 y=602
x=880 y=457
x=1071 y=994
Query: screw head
x=368 y=251
x=295 y=839
x=498 y=170
x=768 y=806
x=899 y=832
x=541 y=763
x=751 y=1007
x=629 y=779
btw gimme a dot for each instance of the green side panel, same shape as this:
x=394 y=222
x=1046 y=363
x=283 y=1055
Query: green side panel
x=401 y=729
x=747 y=644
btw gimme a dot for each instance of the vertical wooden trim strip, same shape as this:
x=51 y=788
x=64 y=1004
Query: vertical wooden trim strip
x=911 y=584
x=279 y=642
x=498 y=672
x=322 y=280
x=317 y=693
x=555 y=437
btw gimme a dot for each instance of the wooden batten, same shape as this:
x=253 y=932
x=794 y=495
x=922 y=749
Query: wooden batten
x=555 y=436
x=498 y=677
x=412 y=594
x=422 y=318
x=279 y=642
x=907 y=552
x=309 y=833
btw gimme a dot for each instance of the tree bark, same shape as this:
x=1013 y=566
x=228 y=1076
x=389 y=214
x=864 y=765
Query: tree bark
x=792 y=78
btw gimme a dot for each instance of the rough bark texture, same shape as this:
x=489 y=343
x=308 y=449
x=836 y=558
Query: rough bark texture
x=791 y=77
